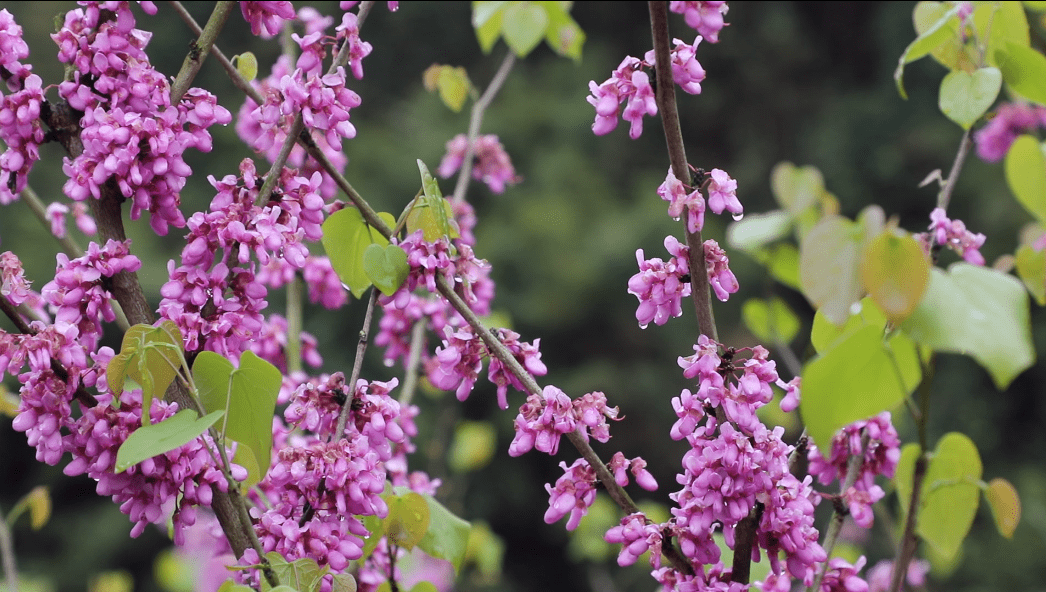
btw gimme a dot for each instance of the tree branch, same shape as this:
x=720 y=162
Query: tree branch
x=199 y=49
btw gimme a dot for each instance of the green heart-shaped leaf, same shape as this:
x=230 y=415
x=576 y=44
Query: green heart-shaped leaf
x=524 y=26
x=158 y=438
x=386 y=266
x=965 y=97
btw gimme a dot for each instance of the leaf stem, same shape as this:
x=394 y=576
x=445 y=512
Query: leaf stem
x=945 y=196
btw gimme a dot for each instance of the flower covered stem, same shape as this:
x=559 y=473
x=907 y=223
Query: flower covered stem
x=666 y=104
x=853 y=468
x=476 y=120
x=199 y=49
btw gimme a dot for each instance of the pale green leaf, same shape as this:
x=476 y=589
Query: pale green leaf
x=829 y=265
x=895 y=273
x=473 y=446
x=757 y=230
x=771 y=321
x=346 y=237
x=796 y=188
x=563 y=34
x=979 y=312
x=447 y=536
x=964 y=97
x=1031 y=268
x=950 y=494
x=523 y=26
x=1024 y=70
x=1025 y=169
x=855 y=379
x=408 y=519
x=926 y=42
x=386 y=267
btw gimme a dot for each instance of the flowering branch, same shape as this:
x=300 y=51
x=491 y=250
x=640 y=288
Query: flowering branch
x=666 y=104
x=909 y=540
x=357 y=365
x=478 y=109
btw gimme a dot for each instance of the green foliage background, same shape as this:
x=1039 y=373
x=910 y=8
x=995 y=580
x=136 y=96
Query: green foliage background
x=805 y=82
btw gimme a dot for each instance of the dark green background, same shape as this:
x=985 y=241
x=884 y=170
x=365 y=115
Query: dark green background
x=810 y=83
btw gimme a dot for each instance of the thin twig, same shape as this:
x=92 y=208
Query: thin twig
x=357 y=365
x=7 y=553
x=199 y=49
x=410 y=378
x=853 y=467
x=945 y=197
x=476 y=121
x=294 y=323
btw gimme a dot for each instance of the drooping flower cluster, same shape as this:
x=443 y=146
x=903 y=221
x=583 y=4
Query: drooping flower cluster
x=879 y=457
x=723 y=281
x=322 y=99
x=22 y=132
x=491 y=164
x=130 y=131
x=954 y=235
x=457 y=363
x=661 y=286
x=706 y=17
x=77 y=293
x=879 y=575
x=722 y=195
x=1010 y=121
x=13 y=49
x=234 y=229
x=630 y=84
x=266 y=18
x=732 y=467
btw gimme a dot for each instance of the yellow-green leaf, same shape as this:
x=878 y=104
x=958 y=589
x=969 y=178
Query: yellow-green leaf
x=771 y=321
x=965 y=97
x=473 y=446
x=1005 y=504
x=950 y=494
x=796 y=188
x=39 y=507
x=895 y=272
x=408 y=519
x=1031 y=268
x=1025 y=169
x=246 y=65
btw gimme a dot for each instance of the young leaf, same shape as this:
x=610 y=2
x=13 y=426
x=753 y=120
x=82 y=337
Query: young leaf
x=301 y=575
x=523 y=26
x=343 y=582
x=895 y=272
x=447 y=536
x=856 y=379
x=825 y=335
x=1025 y=169
x=1005 y=504
x=964 y=97
x=408 y=519
x=387 y=267
x=247 y=65
x=39 y=502
x=345 y=238
x=151 y=440
x=927 y=41
x=249 y=394
x=795 y=188
x=487 y=19
x=757 y=230
x=979 y=312
x=1024 y=70
x=563 y=34
x=473 y=446
x=452 y=83
x=770 y=320
x=950 y=494
x=148 y=356
x=829 y=259
x=1031 y=268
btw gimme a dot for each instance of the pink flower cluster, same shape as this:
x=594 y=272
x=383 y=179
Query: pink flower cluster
x=77 y=294
x=266 y=18
x=723 y=281
x=1010 y=120
x=21 y=130
x=706 y=17
x=879 y=458
x=630 y=84
x=325 y=287
x=270 y=344
x=954 y=235
x=13 y=49
x=731 y=467
x=130 y=130
x=660 y=285
x=457 y=362
x=722 y=195
x=56 y=212
x=491 y=163
x=234 y=229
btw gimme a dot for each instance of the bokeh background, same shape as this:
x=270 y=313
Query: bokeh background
x=809 y=83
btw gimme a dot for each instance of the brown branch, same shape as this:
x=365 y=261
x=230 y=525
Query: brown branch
x=666 y=104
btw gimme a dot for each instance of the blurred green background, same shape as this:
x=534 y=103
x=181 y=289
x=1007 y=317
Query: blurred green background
x=809 y=83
